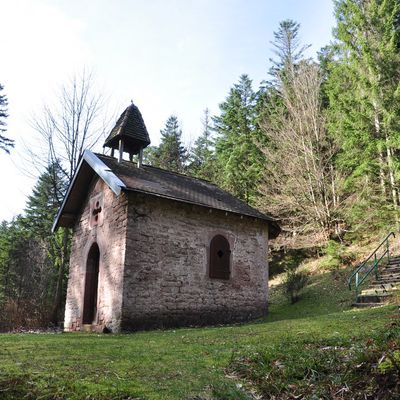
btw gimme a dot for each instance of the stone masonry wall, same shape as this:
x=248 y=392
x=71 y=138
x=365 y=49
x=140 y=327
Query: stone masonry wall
x=166 y=280
x=109 y=234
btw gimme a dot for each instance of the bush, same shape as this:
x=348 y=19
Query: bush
x=336 y=255
x=293 y=282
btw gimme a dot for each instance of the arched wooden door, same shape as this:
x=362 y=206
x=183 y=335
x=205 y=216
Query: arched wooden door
x=91 y=285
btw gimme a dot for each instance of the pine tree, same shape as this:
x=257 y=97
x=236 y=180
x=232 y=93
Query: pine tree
x=5 y=143
x=41 y=209
x=45 y=200
x=202 y=157
x=288 y=50
x=5 y=246
x=40 y=212
x=240 y=162
x=150 y=155
x=171 y=154
x=364 y=95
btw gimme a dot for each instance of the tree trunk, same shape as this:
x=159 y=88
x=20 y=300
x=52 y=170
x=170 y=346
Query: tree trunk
x=392 y=180
x=380 y=154
x=335 y=198
x=382 y=174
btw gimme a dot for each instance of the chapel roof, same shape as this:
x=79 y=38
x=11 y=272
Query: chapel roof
x=131 y=128
x=179 y=187
x=127 y=176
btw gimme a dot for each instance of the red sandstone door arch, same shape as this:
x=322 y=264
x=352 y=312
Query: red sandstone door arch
x=91 y=285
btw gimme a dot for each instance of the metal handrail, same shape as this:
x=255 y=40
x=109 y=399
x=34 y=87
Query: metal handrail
x=375 y=264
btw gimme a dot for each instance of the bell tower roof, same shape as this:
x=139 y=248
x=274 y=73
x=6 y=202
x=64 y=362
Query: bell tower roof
x=130 y=128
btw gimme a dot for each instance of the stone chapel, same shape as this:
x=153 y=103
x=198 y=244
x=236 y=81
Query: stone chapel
x=153 y=248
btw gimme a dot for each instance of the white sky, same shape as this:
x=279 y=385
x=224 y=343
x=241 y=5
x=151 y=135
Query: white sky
x=168 y=56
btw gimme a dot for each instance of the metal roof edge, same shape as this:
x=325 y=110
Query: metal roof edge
x=101 y=169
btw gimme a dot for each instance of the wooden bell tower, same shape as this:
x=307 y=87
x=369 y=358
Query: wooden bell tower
x=129 y=135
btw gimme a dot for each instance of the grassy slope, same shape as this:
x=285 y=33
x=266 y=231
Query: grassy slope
x=182 y=363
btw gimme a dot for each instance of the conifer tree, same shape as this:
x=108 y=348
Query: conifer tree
x=288 y=51
x=5 y=143
x=240 y=161
x=41 y=209
x=202 y=158
x=364 y=97
x=31 y=256
x=45 y=200
x=150 y=155
x=171 y=154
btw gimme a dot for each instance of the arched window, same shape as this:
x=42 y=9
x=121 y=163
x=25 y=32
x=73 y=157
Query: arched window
x=220 y=258
x=91 y=285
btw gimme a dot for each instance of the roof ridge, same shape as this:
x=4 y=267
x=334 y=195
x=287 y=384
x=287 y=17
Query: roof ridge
x=164 y=170
x=181 y=174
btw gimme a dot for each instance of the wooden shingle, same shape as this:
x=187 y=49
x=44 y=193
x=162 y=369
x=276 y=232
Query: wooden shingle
x=131 y=129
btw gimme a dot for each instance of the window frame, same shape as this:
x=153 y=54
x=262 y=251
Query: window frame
x=213 y=272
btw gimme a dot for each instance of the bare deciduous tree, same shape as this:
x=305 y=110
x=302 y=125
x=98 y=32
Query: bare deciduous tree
x=301 y=184
x=66 y=129
x=75 y=123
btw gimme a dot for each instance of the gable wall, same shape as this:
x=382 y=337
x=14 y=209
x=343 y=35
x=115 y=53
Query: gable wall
x=166 y=279
x=110 y=236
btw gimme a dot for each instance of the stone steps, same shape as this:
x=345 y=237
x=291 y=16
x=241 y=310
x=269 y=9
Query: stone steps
x=373 y=298
x=385 y=279
x=377 y=291
x=366 y=305
x=393 y=264
x=384 y=286
x=381 y=289
x=392 y=267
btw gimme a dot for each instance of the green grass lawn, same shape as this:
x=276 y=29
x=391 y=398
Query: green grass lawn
x=227 y=362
